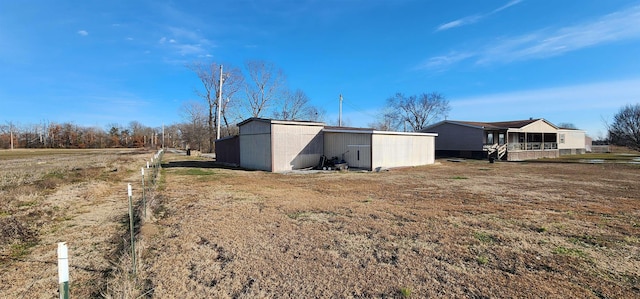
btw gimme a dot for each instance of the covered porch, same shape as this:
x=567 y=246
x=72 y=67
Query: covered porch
x=516 y=145
x=526 y=141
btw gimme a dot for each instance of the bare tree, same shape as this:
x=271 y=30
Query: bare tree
x=417 y=111
x=264 y=87
x=194 y=128
x=567 y=126
x=386 y=121
x=209 y=75
x=625 y=129
x=296 y=106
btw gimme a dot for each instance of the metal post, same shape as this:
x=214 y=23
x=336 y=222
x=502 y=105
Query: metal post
x=133 y=247
x=63 y=270
x=219 y=105
x=144 y=200
x=340 y=115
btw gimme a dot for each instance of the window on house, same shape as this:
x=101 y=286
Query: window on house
x=501 y=138
x=561 y=138
x=489 y=138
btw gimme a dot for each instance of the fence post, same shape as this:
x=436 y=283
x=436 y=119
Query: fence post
x=63 y=270
x=144 y=200
x=133 y=247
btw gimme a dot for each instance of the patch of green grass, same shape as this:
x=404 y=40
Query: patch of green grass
x=22 y=249
x=541 y=229
x=484 y=237
x=194 y=171
x=459 y=178
x=30 y=203
x=297 y=215
x=405 y=292
x=561 y=250
x=482 y=260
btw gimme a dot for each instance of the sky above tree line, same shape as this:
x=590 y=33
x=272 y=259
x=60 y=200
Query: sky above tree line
x=96 y=63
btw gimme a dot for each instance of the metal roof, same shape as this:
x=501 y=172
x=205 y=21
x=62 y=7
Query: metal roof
x=500 y=125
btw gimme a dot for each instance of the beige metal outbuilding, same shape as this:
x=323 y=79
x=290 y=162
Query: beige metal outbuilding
x=276 y=145
x=374 y=150
x=279 y=145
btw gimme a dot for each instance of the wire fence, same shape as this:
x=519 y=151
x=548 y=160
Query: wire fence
x=138 y=205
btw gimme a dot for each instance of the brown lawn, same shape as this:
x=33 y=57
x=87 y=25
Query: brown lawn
x=468 y=229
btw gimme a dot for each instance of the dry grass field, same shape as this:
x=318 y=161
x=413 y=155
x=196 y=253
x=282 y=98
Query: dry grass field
x=468 y=229
x=454 y=229
x=73 y=196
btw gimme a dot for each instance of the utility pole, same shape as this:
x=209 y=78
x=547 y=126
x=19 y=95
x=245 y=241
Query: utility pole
x=163 y=135
x=340 y=115
x=219 y=106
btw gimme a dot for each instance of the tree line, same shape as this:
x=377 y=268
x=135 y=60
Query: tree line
x=72 y=136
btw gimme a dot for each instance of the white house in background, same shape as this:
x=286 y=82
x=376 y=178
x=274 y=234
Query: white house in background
x=282 y=145
x=508 y=140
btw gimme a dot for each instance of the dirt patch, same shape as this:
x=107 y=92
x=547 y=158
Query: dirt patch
x=454 y=229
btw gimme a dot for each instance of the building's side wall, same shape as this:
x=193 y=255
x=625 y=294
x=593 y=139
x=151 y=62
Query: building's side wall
x=255 y=145
x=453 y=137
x=355 y=148
x=228 y=150
x=402 y=150
x=296 y=146
x=571 y=142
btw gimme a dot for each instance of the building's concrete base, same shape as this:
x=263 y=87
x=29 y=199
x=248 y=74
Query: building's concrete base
x=531 y=155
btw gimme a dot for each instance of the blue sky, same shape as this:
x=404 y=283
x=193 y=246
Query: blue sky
x=95 y=63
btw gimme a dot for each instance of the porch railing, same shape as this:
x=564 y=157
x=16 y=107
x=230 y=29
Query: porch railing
x=533 y=146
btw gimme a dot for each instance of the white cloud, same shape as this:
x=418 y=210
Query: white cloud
x=83 y=32
x=474 y=18
x=501 y=8
x=189 y=49
x=622 y=25
x=441 y=62
x=186 y=42
x=617 y=26
x=460 y=22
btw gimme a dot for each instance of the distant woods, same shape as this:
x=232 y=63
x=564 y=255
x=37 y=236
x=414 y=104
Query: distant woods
x=71 y=136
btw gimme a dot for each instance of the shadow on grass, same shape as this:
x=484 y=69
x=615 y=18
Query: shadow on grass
x=200 y=164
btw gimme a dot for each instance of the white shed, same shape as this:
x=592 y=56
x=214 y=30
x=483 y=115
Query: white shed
x=371 y=149
x=282 y=145
x=278 y=145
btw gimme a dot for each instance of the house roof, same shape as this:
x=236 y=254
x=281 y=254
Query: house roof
x=516 y=124
x=500 y=125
